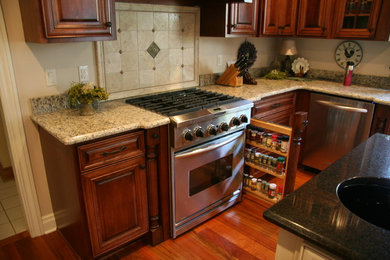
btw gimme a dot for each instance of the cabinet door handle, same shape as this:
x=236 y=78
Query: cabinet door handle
x=142 y=167
x=276 y=105
x=116 y=151
x=109 y=24
x=234 y=26
x=323 y=29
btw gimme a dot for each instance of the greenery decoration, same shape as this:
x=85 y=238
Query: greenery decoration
x=275 y=74
x=85 y=93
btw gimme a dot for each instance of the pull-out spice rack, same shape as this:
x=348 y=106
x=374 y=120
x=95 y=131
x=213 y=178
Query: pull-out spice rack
x=268 y=174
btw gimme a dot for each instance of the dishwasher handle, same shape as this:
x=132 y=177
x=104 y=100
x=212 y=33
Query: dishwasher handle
x=342 y=107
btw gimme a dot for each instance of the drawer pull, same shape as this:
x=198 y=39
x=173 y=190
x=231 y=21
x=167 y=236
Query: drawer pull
x=142 y=167
x=276 y=105
x=114 y=152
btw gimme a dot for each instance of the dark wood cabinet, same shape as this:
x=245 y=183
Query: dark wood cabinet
x=381 y=121
x=315 y=18
x=356 y=18
x=279 y=17
x=229 y=19
x=278 y=109
x=60 y=21
x=115 y=199
x=111 y=191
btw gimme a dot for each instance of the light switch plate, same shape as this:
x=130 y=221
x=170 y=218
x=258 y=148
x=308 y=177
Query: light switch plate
x=83 y=73
x=51 y=77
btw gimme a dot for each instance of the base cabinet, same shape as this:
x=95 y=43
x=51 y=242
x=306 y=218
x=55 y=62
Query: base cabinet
x=108 y=192
x=116 y=204
x=292 y=247
x=381 y=121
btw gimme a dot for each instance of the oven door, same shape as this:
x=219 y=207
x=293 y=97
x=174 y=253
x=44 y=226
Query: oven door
x=205 y=177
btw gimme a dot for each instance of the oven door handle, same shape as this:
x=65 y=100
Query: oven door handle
x=206 y=149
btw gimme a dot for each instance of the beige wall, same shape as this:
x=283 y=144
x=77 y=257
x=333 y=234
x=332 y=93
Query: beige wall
x=4 y=153
x=320 y=54
x=30 y=60
x=210 y=48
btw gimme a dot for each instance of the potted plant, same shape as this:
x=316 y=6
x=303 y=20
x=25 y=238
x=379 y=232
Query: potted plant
x=85 y=93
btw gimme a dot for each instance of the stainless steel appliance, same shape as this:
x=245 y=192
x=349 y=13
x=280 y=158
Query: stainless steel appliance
x=336 y=125
x=207 y=140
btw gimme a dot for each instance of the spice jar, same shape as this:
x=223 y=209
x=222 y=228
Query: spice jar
x=245 y=180
x=279 y=194
x=253 y=135
x=263 y=184
x=253 y=184
x=257 y=158
x=264 y=140
x=280 y=165
x=259 y=184
x=272 y=190
x=274 y=142
x=284 y=143
x=279 y=142
x=259 y=136
x=269 y=140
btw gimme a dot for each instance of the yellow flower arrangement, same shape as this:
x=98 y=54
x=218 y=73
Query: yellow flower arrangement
x=85 y=93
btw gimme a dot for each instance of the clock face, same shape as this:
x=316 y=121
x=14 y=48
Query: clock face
x=348 y=51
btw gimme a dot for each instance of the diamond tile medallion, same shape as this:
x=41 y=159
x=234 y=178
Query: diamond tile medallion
x=153 y=49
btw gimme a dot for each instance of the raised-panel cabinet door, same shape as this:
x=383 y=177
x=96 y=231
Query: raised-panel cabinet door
x=77 y=18
x=279 y=17
x=356 y=18
x=243 y=18
x=315 y=18
x=115 y=199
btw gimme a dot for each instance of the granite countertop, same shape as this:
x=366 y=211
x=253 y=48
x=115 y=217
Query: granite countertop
x=70 y=128
x=116 y=117
x=265 y=88
x=315 y=213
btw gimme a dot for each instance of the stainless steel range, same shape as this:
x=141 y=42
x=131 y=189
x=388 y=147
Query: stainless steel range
x=207 y=140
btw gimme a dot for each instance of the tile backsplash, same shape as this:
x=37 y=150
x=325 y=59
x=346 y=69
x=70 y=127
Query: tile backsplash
x=156 y=50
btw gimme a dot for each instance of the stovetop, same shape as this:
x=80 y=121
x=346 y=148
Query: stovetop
x=181 y=102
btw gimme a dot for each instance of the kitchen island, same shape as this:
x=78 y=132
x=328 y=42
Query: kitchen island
x=315 y=214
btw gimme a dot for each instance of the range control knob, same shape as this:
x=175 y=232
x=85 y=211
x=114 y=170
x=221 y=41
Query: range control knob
x=223 y=126
x=212 y=130
x=198 y=132
x=188 y=135
x=235 y=121
x=244 y=119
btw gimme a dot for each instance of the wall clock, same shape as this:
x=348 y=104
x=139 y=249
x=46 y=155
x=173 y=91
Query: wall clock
x=348 y=51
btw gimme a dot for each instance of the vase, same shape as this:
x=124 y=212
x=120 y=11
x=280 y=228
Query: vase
x=86 y=110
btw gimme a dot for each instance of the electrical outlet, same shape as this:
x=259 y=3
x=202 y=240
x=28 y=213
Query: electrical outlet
x=51 y=77
x=83 y=73
x=219 y=60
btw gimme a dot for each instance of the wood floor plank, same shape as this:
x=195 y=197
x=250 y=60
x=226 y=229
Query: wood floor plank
x=240 y=232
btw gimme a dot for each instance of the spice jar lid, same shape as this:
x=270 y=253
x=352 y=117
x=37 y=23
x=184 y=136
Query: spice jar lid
x=272 y=186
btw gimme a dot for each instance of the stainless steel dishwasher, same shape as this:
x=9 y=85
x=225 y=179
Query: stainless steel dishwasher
x=336 y=125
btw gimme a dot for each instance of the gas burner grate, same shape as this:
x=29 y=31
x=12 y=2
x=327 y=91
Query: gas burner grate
x=181 y=102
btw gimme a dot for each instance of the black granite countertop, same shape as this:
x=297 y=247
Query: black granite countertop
x=315 y=213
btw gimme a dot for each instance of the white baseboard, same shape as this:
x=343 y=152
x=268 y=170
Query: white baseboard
x=49 y=223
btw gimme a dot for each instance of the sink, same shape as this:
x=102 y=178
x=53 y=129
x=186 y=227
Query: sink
x=368 y=198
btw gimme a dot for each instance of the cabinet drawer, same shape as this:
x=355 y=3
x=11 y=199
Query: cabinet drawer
x=283 y=117
x=110 y=150
x=274 y=104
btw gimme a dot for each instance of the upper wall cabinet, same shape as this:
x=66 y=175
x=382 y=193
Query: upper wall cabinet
x=67 y=20
x=279 y=17
x=229 y=19
x=356 y=18
x=314 y=18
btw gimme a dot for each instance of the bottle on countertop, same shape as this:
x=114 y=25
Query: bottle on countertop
x=348 y=73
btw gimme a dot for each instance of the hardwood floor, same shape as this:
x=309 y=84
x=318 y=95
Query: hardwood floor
x=238 y=233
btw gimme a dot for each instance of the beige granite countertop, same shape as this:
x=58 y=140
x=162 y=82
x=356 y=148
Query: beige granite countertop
x=116 y=117
x=265 y=88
